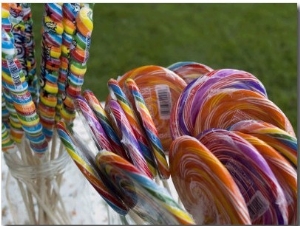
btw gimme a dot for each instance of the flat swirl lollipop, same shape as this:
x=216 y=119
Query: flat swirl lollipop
x=204 y=185
x=263 y=195
x=126 y=135
x=189 y=70
x=149 y=127
x=228 y=106
x=154 y=203
x=87 y=168
x=117 y=94
x=160 y=88
x=102 y=117
x=277 y=138
x=92 y=122
x=282 y=169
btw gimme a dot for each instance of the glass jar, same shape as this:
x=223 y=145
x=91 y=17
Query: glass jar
x=51 y=191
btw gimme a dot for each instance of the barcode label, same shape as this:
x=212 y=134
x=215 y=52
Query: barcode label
x=164 y=101
x=257 y=205
x=15 y=73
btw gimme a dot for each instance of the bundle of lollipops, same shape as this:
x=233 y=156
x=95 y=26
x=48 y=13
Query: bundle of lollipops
x=229 y=151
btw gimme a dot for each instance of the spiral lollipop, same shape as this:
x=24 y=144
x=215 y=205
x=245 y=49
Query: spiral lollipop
x=86 y=167
x=7 y=142
x=154 y=203
x=126 y=135
x=102 y=117
x=189 y=70
x=22 y=101
x=160 y=88
x=262 y=193
x=226 y=107
x=277 y=138
x=206 y=188
x=78 y=61
x=282 y=169
x=117 y=94
x=149 y=127
x=98 y=132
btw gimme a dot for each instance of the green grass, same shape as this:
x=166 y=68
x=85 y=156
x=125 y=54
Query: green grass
x=258 y=38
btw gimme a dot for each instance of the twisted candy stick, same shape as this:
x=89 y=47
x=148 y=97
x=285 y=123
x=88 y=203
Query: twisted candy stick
x=277 y=138
x=263 y=195
x=52 y=30
x=154 y=203
x=149 y=127
x=160 y=88
x=78 y=58
x=126 y=135
x=7 y=142
x=21 y=97
x=70 y=11
x=105 y=123
x=98 y=132
x=87 y=169
x=118 y=95
x=30 y=52
x=206 y=188
x=189 y=70
x=226 y=107
x=282 y=169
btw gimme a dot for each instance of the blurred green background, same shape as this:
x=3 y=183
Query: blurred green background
x=258 y=38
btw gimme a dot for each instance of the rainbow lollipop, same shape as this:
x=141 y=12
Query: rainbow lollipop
x=85 y=165
x=160 y=88
x=117 y=94
x=262 y=193
x=189 y=70
x=205 y=187
x=126 y=135
x=149 y=127
x=91 y=120
x=105 y=123
x=154 y=203
x=228 y=106
x=277 y=138
x=282 y=169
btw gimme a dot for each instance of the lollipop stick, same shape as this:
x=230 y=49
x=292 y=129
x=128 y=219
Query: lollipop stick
x=136 y=218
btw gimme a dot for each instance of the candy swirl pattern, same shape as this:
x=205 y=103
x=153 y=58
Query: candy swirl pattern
x=204 y=185
x=154 y=203
x=260 y=188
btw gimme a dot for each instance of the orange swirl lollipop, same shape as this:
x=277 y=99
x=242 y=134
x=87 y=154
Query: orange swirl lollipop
x=160 y=88
x=228 y=106
x=283 y=171
x=206 y=188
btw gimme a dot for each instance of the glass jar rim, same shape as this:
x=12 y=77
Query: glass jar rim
x=45 y=169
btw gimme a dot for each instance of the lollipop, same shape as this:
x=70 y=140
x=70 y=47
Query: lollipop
x=22 y=101
x=191 y=99
x=262 y=193
x=149 y=127
x=228 y=106
x=154 y=203
x=117 y=94
x=160 y=88
x=91 y=120
x=282 y=169
x=105 y=123
x=204 y=185
x=126 y=135
x=277 y=138
x=189 y=70
x=7 y=142
x=86 y=167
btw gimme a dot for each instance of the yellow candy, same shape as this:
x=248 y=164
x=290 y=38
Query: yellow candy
x=52 y=25
x=84 y=21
